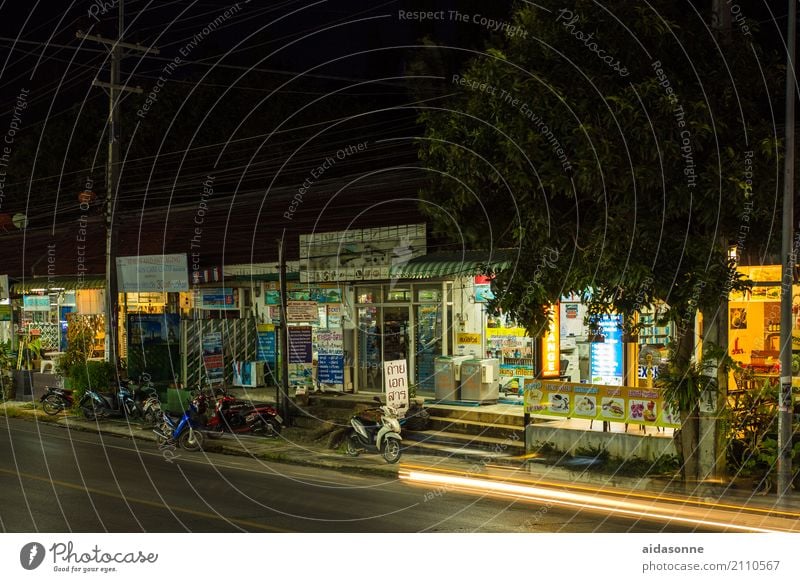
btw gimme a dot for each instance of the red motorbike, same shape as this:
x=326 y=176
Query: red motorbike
x=232 y=415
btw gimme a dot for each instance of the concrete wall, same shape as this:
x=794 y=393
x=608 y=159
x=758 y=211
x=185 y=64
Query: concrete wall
x=619 y=445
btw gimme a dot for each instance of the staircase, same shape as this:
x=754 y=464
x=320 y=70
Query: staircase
x=470 y=432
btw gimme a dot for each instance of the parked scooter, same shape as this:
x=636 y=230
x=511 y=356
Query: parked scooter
x=185 y=431
x=375 y=430
x=236 y=416
x=55 y=400
x=119 y=404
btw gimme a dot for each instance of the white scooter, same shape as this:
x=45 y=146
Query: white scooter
x=381 y=435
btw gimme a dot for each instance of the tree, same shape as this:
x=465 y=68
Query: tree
x=621 y=149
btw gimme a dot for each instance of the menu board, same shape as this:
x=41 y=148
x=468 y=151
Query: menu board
x=606 y=356
x=599 y=402
x=300 y=345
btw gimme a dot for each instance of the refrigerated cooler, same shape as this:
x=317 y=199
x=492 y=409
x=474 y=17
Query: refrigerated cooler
x=480 y=380
x=447 y=376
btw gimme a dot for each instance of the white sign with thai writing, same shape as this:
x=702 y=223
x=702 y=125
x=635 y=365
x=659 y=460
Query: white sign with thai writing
x=152 y=273
x=302 y=311
x=395 y=375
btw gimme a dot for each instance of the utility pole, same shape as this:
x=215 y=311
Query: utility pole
x=787 y=255
x=283 y=390
x=115 y=91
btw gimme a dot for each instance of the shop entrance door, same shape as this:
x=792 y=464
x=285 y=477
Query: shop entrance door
x=383 y=335
x=395 y=333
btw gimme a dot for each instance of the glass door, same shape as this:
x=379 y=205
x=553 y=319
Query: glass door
x=370 y=368
x=395 y=333
x=428 y=344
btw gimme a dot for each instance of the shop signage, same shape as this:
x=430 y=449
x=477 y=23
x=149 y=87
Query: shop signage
x=606 y=356
x=213 y=360
x=222 y=299
x=334 y=316
x=550 y=348
x=468 y=343
x=330 y=359
x=152 y=273
x=302 y=311
x=300 y=345
x=359 y=254
x=36 y=302
x=395 y=377
x=3 y=287
x=483 y=293
x=571 y=310
x=644 y=406
x=302 y=292
x=265 y=349
x=244 y=374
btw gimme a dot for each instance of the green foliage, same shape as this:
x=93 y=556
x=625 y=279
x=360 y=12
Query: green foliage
x=684 y=381
x=609 y=186
x=7 y=365
x=80 y=340
x=94 y=375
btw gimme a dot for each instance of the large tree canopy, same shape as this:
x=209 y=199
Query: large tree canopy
x=621 y=147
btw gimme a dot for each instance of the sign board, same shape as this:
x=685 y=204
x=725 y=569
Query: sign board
x=266 y=346
x=153 y=273
x=330 y=358
x=301 y=311
x=220 y=298
x=483 y=293
x=468 y=343
x=36 y=302
x=213 y=360
x=395 y=377
x=300 y=345
x=606 y=365
x=244 y=374
x=599 y=402
x=551 y=353
x=3 y=287
x=359 y=254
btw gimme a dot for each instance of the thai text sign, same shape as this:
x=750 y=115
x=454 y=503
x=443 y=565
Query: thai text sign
x=395 y=376
x=330 y=360
x=151 y=273
x=301 y=311
x=599 y=402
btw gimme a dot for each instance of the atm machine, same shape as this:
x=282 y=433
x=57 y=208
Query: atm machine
x=447 y=377
x=480 y=380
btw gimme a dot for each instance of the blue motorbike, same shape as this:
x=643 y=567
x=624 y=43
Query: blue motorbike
x=185 y=431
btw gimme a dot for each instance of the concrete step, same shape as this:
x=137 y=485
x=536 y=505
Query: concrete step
x=475 y=414
x=473 y=427
x=453 y=439
x=444 y=450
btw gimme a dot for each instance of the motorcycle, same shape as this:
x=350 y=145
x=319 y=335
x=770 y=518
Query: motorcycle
x=185 y=431
x=55 y=400
x=237 y=416
x=147 y=400
x=119 y=404
x=375 y=435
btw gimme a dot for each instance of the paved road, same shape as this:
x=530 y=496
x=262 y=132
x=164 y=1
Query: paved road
x=53 y=480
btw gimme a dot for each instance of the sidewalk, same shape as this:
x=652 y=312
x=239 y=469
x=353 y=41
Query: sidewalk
x=295 y=446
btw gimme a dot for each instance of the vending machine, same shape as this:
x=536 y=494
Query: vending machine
x=447 y=376
x=480 y=380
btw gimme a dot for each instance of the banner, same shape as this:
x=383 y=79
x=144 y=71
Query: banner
x=152 y=273
x=599 y=402
x=244 y=374
x=330 y=359
x=212 y=357
x=266 y=346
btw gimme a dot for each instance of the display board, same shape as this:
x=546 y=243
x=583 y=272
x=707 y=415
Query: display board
x=626 y=404
x=606 y=363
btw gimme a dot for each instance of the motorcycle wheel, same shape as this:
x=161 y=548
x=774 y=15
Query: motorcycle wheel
x=52 y=405
x=88 y=411
x=268 y=427
x=353 y=446
x=391 y=450
x=191 y=440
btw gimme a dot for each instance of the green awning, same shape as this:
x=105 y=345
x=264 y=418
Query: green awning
x=464 y=264
x=59 y=283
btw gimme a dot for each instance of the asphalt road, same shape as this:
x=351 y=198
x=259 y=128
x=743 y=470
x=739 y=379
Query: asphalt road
x=56 y=480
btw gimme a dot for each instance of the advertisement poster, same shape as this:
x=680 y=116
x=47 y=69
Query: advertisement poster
x=302 y=311
x=300 y=378
x=599 y=402
x=300 y=345
x=395 y=375
x=153 y=328
x=266 y=347
x=223 y=299
x=334 y=316
x=244 y=374
x=468 y=343
x=330 y=360
x=606 y=357
x=153 y=273
x=213 y=360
